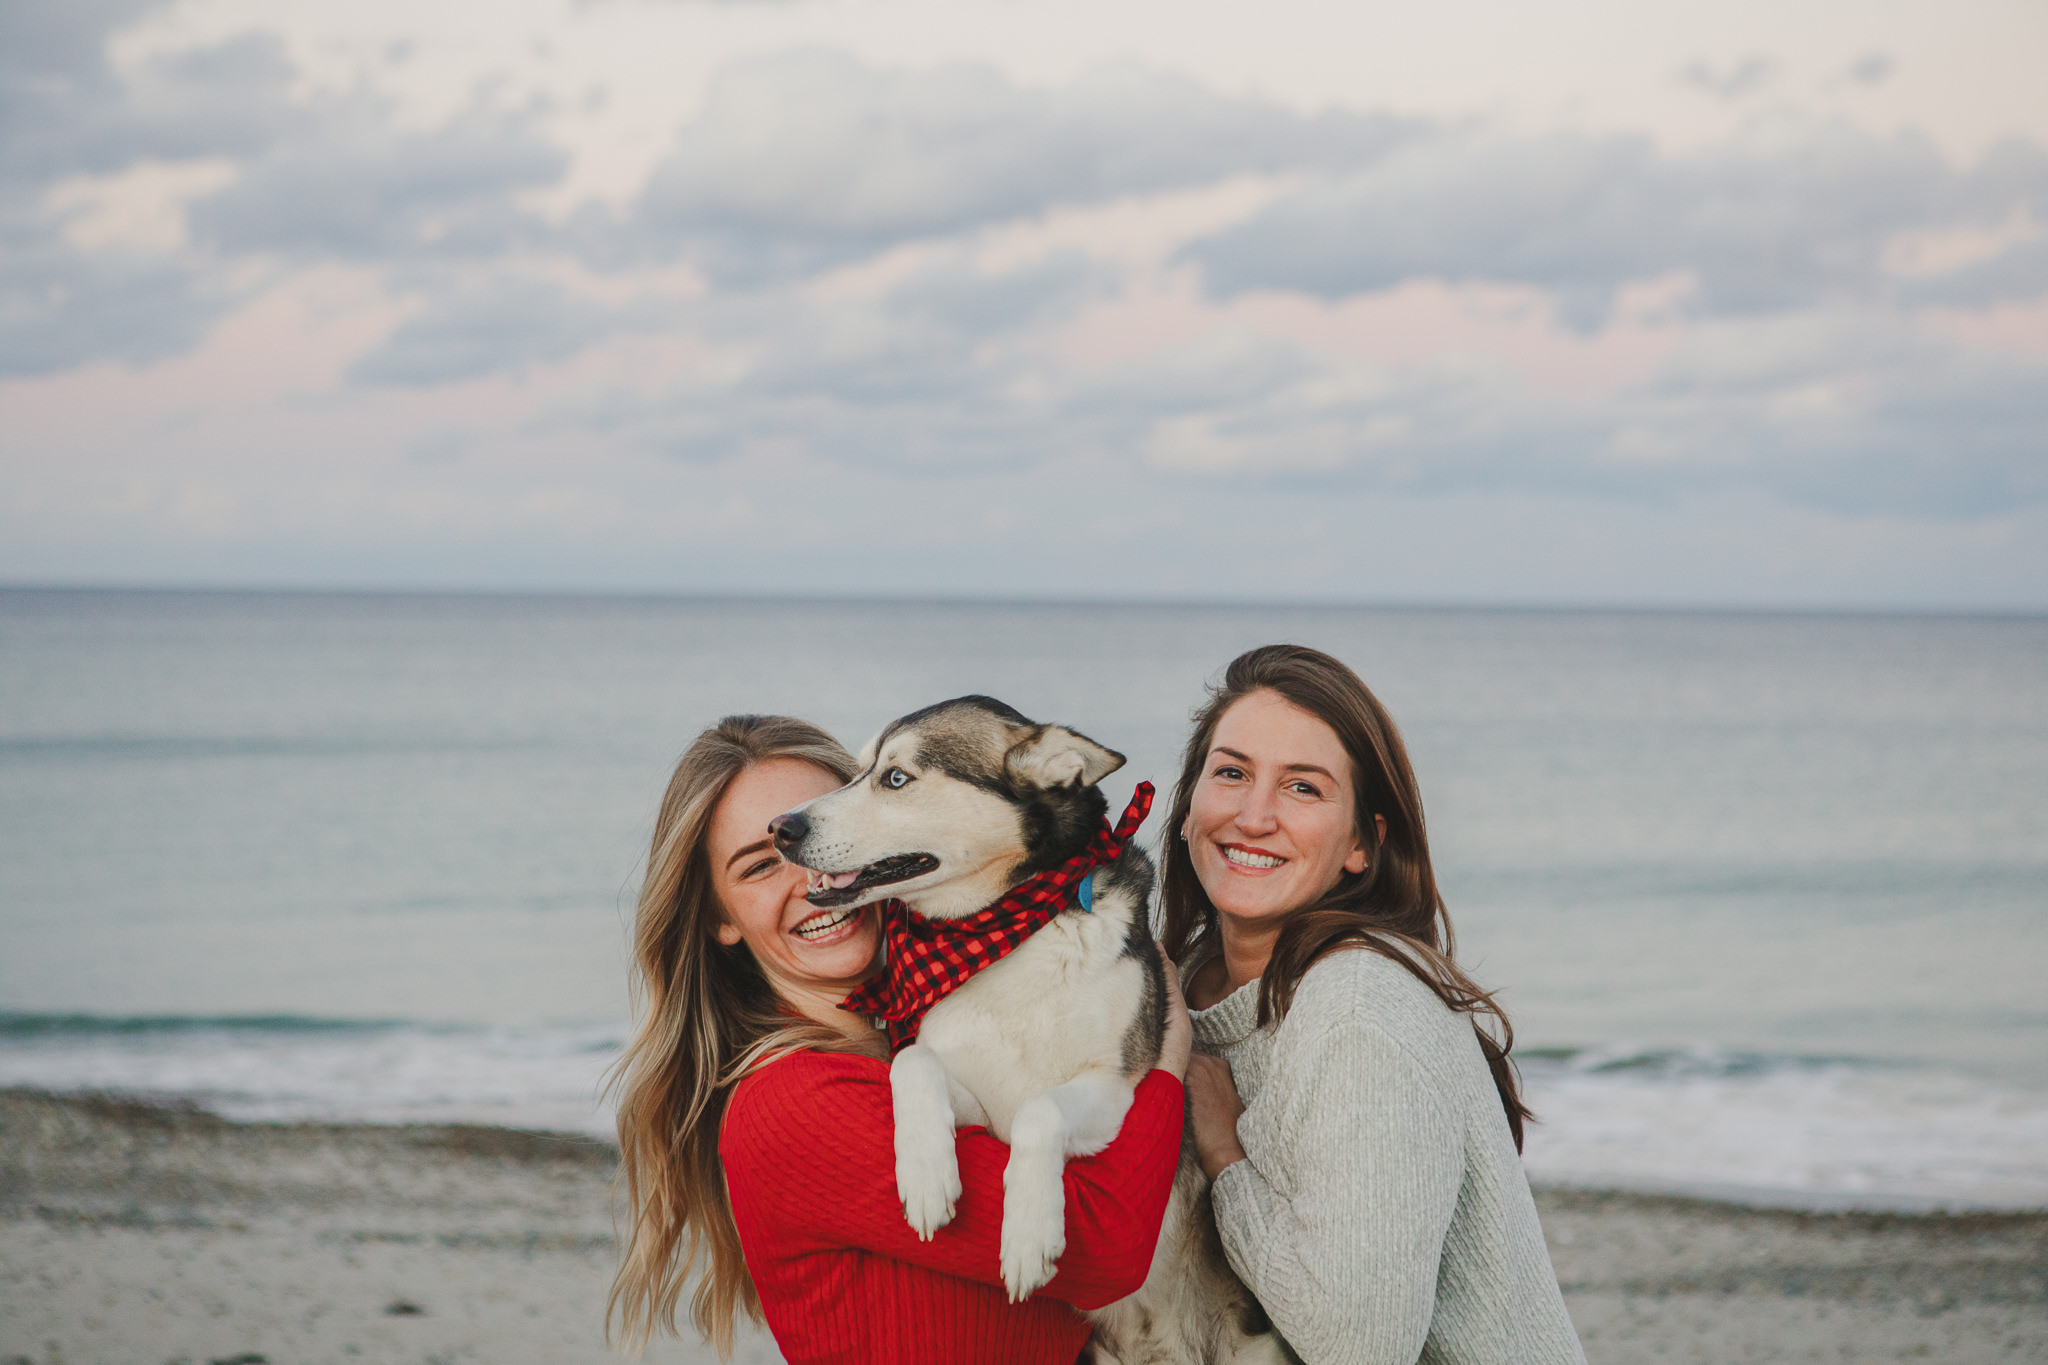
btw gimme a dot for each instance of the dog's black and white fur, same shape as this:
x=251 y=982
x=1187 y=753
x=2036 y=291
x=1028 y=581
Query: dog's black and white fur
x=954 y=805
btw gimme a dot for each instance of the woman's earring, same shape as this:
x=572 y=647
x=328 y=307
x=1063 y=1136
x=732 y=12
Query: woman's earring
x=1183 y=833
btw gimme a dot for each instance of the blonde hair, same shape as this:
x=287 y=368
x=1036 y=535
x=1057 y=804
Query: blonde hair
x=707 y=1016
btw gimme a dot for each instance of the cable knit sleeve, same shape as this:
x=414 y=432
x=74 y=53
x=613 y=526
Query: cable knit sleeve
x=1339 y=1232
x=808 y=1146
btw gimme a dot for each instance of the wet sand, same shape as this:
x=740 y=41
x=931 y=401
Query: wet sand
x=134 y=1235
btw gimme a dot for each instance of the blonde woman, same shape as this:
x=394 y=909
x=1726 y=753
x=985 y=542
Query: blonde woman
x=755 y=1122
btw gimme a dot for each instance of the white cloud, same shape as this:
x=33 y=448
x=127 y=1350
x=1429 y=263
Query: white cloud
x=353 y=185
x=1790 y=216
x=811 y=158
x=504 y=323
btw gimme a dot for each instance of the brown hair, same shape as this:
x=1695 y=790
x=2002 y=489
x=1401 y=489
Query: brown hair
x=1392 y=908
x=707 y=1017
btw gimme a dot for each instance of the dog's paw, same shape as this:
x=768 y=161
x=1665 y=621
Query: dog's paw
x=1030 y=1256
x=1034 y=1234
x=927 y=1181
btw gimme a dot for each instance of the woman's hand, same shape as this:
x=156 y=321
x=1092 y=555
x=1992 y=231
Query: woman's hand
x=1179 y=1039
x=1213 y=1109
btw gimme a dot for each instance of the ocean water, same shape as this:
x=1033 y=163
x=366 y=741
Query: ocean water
x=1767 y=896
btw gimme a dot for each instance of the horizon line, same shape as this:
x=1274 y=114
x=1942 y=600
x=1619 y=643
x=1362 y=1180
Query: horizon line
x=741 y=596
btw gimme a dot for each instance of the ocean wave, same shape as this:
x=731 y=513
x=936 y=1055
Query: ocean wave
x=1676 y=1063
x=17 y=1024
x=1747 y=1125
x=163 y=748
x=1802 y=1131
x=292 y=1069
x=1756 y=881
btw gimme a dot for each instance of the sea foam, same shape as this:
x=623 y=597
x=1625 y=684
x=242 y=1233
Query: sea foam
x=1749 y=1127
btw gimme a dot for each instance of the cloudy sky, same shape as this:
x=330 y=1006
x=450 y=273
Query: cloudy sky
x=1585 y=301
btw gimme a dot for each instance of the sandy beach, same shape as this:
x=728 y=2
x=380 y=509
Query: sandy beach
x=132 y=1235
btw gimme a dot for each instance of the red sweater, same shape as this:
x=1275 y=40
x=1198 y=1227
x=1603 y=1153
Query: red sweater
x=810 y=1161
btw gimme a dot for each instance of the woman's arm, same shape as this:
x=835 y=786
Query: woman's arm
x=1345 y=1264
x=1214 y=1108
x=809 y=1150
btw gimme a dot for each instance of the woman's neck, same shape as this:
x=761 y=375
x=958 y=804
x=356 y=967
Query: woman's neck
x=1247 y=948
x=822 y=1007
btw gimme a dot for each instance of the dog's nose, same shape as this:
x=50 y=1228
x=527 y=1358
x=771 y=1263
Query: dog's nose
x=789 y=830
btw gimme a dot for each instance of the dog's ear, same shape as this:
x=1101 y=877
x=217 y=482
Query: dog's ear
x=1054 y=756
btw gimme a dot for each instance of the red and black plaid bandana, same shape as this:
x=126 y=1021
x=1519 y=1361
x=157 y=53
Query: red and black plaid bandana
x=925 y=960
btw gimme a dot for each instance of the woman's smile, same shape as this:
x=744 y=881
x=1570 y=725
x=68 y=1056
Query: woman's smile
x=829 y=926
x=1252 y=860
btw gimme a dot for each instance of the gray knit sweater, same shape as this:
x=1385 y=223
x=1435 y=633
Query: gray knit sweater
x=1382 y=1214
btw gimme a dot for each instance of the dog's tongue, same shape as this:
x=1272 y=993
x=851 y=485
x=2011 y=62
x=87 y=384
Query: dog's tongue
x=839 y=881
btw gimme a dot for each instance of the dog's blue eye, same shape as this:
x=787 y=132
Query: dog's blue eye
x=895 y=777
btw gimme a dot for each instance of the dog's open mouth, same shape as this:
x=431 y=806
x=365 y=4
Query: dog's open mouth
x=840 y=888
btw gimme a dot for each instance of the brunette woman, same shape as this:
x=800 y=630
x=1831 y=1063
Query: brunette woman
x=755 y=1117
x=1367 y=1181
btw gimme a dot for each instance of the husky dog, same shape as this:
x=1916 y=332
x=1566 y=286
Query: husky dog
x=954 y=806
